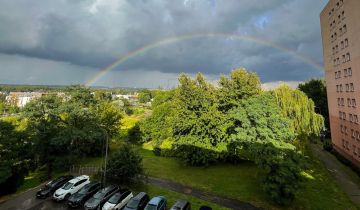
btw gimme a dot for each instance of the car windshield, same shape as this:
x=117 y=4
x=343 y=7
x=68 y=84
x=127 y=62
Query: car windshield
x=115 y=198
x=67 y=186
x=133 y=204
x=51 y=183
x=85 y=189
x=100 y=194
x=150 y=207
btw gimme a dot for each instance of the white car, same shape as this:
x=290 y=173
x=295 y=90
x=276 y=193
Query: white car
x=118 y=200
x=71 y=187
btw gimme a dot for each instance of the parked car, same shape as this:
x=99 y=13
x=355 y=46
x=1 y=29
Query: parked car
x=71 y=187
x=138 y=202
x=118 y=200
x=181 y=205
x=52 y=186
x=156 y=203
x=79 y=198
x=98 y=200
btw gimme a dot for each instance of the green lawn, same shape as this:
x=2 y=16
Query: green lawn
x=243 y=182
x=31 y=181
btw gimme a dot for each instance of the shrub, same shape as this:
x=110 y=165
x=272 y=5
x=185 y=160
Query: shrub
x=124 y=165
x=195 y=156
x=282 y=166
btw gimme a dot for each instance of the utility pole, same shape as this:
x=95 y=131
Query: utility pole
x=106 y=156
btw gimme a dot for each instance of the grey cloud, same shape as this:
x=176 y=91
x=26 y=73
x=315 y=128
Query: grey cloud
x=91 y=34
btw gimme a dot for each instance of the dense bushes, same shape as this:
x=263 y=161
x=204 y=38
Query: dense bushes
x=124 y=165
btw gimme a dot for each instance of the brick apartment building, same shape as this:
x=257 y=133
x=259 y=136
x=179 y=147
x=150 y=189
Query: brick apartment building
x=340 y=27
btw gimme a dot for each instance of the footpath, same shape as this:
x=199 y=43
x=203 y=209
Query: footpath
x=346 y=179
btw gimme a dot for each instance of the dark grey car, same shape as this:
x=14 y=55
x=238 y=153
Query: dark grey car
x=97 y=200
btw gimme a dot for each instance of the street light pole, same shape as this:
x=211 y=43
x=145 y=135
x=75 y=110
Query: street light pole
x=106 y=156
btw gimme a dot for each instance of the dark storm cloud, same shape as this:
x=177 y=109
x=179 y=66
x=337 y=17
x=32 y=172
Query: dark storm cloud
x=90 y=34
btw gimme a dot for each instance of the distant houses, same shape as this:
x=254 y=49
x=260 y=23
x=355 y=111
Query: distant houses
x=20 y=99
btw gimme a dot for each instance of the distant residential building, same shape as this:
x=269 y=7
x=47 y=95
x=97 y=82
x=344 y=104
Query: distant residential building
x=129 y=97
x=340 y=34
x=20 y=99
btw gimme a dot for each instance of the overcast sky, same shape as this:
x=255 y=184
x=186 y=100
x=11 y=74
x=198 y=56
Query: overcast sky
x=69 y=41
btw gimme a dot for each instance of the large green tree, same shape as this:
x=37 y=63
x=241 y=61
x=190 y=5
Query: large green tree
x=240 y=85
x=315 y=89
x=15 y=156
x=297 y=107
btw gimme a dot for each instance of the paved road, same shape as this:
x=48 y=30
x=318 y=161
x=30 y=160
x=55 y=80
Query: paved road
x=28 y=201
x=346 y=182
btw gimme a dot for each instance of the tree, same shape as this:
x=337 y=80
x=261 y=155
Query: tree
x=315 y=89
x=197 y=120
x=44 y=125
x=241 y=84
x=158 y=126
x=81 y=95
x=15 y=156
x=124 y=165
x=297 y=107
x=145 y=96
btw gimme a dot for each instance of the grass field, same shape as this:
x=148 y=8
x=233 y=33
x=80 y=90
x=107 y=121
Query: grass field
x=243 y=182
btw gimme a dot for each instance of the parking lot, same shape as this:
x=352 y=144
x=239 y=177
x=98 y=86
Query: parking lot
x=28 y=201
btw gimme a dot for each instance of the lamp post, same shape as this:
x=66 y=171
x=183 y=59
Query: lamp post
x=106 y=157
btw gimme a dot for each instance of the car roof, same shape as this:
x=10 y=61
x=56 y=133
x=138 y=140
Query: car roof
x=180 y=203
x=139 y=196
x=78 y=178
x=156 y=200
x=109 y=188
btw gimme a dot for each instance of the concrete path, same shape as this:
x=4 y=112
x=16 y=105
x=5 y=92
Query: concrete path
x=335 y=167
x=221 y=201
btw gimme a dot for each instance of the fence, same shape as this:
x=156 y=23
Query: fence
x=84 y=169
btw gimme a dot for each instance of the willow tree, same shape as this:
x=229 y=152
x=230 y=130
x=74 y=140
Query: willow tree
x=295 y=105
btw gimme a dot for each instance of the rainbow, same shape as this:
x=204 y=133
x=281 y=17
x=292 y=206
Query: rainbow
x=171 y=40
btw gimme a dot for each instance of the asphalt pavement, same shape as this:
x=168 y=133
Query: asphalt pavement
x=28 y=201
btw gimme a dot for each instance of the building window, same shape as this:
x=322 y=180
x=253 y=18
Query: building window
x=342 y=44
x=346 y=43
x=343 y=59
x=349 y=102
x=353 y=102
x=354 y=150
x=347 y=57
x=349 y=72
x=341 y=88
x=351 y=86
x=356 y=120
x=344 y=28
x=353 y=134
x=347 y=87
x=343 y=143
x=340 y=31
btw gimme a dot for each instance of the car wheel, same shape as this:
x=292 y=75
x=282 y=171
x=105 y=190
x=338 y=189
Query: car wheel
x=66 y=196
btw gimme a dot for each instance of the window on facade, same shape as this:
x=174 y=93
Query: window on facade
x=353 y=134
x=344 y=28
x=343 y=59
x=348 y=57
x=343 y=143
x=352 y=88
x=342 y=44
x=353 y=102
x=351 y=118
x=340 y=117
x=347 y=87
x=354 y=150
x=340 y=31
x=341 y=88
x=349 y=72
x=345 y=73
x=338 y=61
x=349 y=102
x=356 y=120
x=346 y=43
